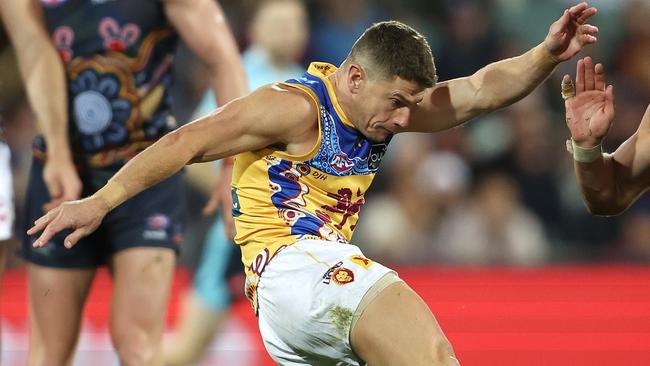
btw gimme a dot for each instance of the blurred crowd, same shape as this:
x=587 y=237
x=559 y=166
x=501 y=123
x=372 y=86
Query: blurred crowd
x=496 y=191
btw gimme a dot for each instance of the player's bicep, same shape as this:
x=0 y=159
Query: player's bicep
x=446 y=105
x=266 y=117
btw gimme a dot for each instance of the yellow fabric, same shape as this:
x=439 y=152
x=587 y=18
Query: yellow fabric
x=331 y=199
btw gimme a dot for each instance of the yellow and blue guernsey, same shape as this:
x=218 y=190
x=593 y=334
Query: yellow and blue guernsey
x=280 y=198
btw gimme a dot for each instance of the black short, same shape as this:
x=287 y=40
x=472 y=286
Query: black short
x=153 y=218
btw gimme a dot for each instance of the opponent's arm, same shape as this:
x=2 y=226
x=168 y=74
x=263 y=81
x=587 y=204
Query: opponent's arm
x=609 y=182
x=502 y=83
x=44 y=76
x=268 y=116
x=630 y=166
x=612 y=182
x=203 y=27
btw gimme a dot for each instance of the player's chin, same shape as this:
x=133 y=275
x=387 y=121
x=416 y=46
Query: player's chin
x=379 y=135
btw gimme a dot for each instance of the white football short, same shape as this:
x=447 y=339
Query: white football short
x=309 y=297
x=6 y=194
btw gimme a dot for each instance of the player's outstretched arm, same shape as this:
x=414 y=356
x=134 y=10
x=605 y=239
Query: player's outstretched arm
x=271 y=115
x=502 y=83
x=609 y=182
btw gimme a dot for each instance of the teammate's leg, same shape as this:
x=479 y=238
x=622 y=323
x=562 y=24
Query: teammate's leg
x=397 y=328
x=142 y=278
x=205 y=310
x=197 y=327
x=57 y=298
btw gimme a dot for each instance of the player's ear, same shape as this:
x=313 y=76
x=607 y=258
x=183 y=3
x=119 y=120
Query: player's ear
x=356 y=76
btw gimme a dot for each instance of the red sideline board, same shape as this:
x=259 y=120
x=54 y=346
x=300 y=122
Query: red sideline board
x=493 y=316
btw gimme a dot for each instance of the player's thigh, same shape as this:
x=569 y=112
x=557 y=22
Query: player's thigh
x=397 y=328
x=142 y=278
x=57 y=297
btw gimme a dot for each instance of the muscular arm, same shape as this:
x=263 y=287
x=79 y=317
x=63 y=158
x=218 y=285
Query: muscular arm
x=42 y=71
x=497 y=85
x=502 y=83
x=268 y=116
x=613 y=182
x=203 y=27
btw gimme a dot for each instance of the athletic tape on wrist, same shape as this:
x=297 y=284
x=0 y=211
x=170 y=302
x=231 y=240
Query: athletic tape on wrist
x=113 y=194
x=586 y=155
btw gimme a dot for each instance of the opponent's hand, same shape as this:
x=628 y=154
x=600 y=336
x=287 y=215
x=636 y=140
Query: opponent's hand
x=590 y=113
x=82 y=217
x=570 y=34
x=62 y=181
x=221 y=197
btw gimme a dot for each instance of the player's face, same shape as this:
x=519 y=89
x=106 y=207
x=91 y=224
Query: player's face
x=385 y=107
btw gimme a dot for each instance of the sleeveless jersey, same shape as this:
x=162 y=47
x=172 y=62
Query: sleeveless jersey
x=280 y=199
x=118 y=57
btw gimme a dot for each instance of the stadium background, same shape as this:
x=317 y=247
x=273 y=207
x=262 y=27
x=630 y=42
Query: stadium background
x=485 y=220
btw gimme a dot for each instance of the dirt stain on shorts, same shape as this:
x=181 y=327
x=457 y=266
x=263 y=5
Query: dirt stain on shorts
x=342 y=319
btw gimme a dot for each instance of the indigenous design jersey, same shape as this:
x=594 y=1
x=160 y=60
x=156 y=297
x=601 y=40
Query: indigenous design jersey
x=118 y=56
x=279 y=198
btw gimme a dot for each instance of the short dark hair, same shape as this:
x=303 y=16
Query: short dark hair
x=396 y=50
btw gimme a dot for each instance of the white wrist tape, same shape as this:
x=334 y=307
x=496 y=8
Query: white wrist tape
x=585 y=155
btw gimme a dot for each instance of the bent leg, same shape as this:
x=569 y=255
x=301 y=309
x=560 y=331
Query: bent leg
x=397 y=328
x=197 y=328
x=142 y=278
x=57 y=297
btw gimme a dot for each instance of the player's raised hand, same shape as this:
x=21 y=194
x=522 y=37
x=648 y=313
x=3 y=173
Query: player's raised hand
x=570 y=34
x=81 y=216
x=590 y=106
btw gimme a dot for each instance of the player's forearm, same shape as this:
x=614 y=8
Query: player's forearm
x=156 y=163
x=44 y=76
x=502 y=83
x=598 y=184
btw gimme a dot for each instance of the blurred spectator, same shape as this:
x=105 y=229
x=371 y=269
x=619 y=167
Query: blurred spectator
x=492 y=228
x=278 y=36
x=397 y=226
x=470 y=41
x=337 y=25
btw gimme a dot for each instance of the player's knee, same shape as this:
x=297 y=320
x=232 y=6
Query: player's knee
x=41 y=354
x=442 y=353
x=178 y=356
x=41 y=358
x=137 y=348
